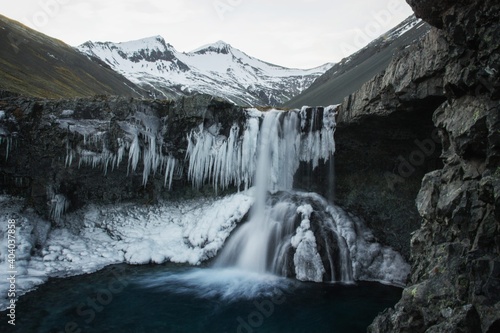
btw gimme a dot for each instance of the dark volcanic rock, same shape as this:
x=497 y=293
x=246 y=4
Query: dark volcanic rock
x=71 y=148
x=431 y=11
x=386 y=142
x=455 y=279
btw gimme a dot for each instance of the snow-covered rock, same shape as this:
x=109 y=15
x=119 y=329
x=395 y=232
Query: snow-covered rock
x=97 y=236
x=216 y=69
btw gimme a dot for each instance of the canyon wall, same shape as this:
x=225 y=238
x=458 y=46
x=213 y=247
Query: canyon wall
x=455 y=280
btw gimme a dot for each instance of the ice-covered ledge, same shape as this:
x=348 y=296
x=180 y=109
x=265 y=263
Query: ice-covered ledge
x=95 y=236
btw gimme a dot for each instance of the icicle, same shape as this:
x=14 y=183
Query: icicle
x=121 y=151
x=69 y=155
x=7 y=139
x=9 y=143
x=134 y=152
x=169 y=171
x=59 y=205
x=305 y=135
x=248 y=150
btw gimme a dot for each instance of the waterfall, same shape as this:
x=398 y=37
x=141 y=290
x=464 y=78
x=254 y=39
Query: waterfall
x=286 y=237
x=290 y=137
x=294 y=236
x=288 y=233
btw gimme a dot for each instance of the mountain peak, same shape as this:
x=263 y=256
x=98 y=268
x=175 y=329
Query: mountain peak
x=220 y=47
x=151 y=43
x=217 y=69
x=154 y=39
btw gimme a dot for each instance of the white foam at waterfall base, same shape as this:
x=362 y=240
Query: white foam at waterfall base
x=268 y=243
x=96 y=236
x=228 y=284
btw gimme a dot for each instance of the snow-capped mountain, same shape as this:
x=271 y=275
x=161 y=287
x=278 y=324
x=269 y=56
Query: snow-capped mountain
x=217 y=69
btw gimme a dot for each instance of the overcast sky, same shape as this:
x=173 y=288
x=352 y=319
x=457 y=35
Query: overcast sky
x=291 y=33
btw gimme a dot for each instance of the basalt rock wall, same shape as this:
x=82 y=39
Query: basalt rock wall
x=386 y=142
x=63 y=154
x=455 y=280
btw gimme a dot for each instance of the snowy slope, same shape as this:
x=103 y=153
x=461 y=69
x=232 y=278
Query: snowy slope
x=216 y=69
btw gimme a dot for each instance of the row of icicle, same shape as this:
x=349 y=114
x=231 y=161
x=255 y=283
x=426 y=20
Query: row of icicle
x=219 y=160
x=145 y=129
x=224 y=161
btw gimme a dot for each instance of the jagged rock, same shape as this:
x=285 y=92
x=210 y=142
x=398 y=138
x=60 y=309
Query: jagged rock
x=414 y=75
x=431 y=11
x=455 y=254
x=386 y=141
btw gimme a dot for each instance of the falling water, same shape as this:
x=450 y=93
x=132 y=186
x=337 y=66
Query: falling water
x=251 y=243
x=285 y=235
x=331 y=179
x=289 y=233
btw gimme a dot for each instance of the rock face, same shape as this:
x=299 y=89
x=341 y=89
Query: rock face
x=62 y=154
x=455 y=281
x=386 y=142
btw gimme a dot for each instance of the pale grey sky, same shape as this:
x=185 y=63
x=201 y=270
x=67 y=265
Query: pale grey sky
x=291 y=33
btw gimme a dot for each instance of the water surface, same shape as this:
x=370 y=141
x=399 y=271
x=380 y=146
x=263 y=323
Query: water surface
x=175 y=298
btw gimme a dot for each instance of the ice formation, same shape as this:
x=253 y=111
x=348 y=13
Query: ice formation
x=307 y=261
x=59 y=204
x=141 y=138
x=7 y=140
x=285 y=241
x=6 y=137
x=305 y=135
x=97 y=236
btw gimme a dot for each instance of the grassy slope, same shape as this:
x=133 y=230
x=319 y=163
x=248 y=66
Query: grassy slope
x=34 y=64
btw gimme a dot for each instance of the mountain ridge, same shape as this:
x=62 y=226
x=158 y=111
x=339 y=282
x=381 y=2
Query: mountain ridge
x=348 y=75
x=37 y=65
x=217 y=69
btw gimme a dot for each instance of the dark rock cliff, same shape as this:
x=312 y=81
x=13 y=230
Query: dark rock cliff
x=82 y=149
x=455 y=280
